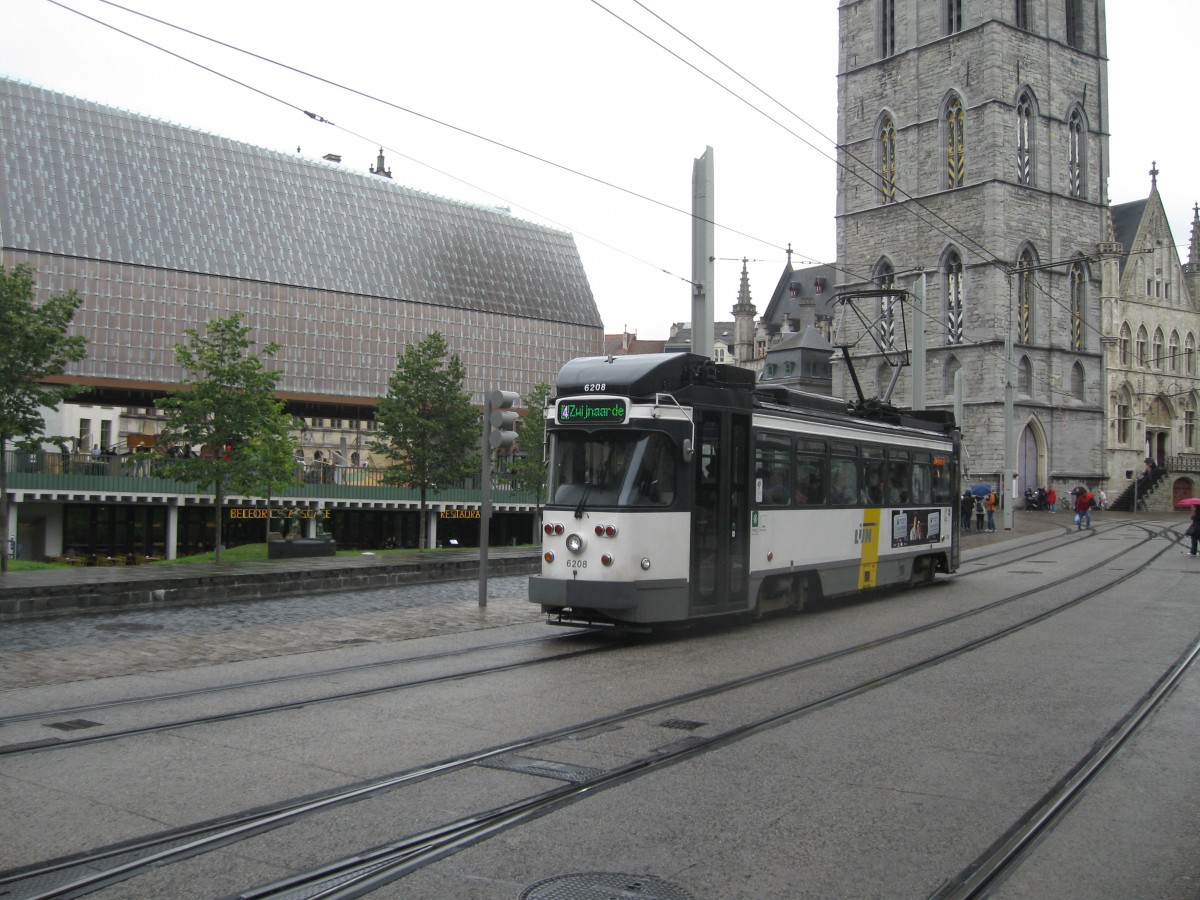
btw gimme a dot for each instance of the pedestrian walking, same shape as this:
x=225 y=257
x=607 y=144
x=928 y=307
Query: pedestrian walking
x=1194 y=529
x=1051 y=497
x=1083 y=509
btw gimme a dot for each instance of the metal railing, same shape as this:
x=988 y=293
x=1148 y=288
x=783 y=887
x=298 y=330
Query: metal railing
x=1188 y=462
x=139 y=473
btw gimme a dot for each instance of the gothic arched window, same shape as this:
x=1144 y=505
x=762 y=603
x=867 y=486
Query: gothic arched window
x=1074 y=35
x=1158 y=350
x=953 y=285
x=1022 y=15
x=1076 y=277
x=885 y=277
x=1189 y=356
x=954 y=18
x=1025 y=288
x=887 y=28
x=1076 y=147
x=1124 y=415
x=952 y=368
x=1025 y=377
x=887 y=159
x=1173 y=352
x=1125 y=345
x=1140 y=347
x=955 y=142
x=1078 y=381
x=1025 y=139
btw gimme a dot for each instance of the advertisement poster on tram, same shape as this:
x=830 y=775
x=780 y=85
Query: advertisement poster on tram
x=916 y=526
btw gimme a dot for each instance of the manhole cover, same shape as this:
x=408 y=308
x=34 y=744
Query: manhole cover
x=604 y=886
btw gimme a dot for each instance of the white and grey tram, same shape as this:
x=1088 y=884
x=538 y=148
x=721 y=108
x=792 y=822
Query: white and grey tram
x=678 y=489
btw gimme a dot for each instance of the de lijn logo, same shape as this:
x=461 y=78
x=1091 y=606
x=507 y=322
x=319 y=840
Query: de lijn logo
x=573 y=411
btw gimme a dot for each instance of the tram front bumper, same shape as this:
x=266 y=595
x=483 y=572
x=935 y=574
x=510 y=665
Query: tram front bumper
x=600 y=595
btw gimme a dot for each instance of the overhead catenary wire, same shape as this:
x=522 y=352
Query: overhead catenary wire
x=324 y=120
x=391 y=104
x=961 y=239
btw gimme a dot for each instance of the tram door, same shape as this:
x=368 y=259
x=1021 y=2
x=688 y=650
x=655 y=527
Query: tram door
x=721 y=520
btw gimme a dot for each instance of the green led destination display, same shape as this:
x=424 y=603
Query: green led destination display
x=591 y=410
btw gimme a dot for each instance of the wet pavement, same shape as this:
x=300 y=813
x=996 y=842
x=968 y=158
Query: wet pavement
x=79 y=646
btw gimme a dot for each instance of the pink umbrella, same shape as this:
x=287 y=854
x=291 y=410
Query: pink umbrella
x=1190 y=501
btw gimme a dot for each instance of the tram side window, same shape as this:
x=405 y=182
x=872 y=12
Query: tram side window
x=873 y=477
x=898 y=483
x=810 y=472
x=943 y=479
x=772 y=469
x=922 y=480
x=843 y=474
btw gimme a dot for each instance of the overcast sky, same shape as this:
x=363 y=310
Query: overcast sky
x=569 y=82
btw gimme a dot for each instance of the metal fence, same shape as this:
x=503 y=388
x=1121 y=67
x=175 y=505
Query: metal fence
x=139 y=473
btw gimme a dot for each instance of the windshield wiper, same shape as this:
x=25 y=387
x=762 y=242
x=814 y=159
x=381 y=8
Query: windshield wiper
x=587 y=489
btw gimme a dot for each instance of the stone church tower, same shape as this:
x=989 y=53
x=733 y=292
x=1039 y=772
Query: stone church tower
x=973 y=169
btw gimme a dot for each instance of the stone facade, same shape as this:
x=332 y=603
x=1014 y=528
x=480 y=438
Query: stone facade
x=973 y=145
x=1151 y=313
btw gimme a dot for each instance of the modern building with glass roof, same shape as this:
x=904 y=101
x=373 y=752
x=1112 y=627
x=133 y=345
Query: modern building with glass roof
x=160 y=228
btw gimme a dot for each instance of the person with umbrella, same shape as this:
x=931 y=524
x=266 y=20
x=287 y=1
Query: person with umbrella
x=1194 y=529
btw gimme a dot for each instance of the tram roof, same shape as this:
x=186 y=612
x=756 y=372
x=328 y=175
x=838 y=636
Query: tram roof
x=694 y=378
x=644 y=375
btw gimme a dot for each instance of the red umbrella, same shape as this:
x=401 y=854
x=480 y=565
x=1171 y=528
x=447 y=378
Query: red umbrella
x=1190 y=501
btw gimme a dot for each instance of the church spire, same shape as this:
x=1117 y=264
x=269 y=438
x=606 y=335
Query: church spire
x=743 y=320
x=1193 y=262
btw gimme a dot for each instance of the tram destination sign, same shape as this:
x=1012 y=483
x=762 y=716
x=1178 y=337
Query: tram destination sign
x=592 y=410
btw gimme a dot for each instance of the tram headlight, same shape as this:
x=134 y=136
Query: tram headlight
x=575 y=542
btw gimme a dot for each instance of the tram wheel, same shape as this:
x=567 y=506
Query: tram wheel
x=923 y=571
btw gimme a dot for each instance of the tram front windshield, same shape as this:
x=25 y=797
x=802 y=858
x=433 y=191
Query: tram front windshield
x=612 y=468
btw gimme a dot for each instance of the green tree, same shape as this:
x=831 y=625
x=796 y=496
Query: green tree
x=426 y=424
x=529 y=467
x=33 y=346
x=228 y=410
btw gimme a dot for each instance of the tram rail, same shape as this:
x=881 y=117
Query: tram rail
x=77 y=875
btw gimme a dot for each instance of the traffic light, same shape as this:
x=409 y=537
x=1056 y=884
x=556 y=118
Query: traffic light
x=503 y=419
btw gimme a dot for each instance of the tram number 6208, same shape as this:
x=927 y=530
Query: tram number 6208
x=593 y=388
x=576 y=563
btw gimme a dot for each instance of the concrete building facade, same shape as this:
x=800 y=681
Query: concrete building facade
x=160 y=228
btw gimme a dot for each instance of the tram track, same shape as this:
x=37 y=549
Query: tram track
x=61 y=743
x=1003 y=857
x=335 y=672
x=368 y=871
x=56 y=743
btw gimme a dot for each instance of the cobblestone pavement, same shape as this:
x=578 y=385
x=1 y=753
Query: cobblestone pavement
x=102 y=645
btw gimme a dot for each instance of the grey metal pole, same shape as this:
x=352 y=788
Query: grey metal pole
x=1010 y=451
x=485 y=500
x=918 y=366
